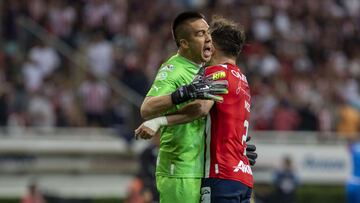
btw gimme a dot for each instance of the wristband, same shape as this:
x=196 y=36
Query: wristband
x=180 y=95
x=155 y=123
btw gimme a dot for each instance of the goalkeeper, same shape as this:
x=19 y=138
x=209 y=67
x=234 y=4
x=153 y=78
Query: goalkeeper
x=181 y=156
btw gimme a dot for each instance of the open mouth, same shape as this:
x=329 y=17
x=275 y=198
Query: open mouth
x=207 y=51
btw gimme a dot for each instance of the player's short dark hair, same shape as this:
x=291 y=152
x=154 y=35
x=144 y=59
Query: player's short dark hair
x=180 y=20
x=228 y=36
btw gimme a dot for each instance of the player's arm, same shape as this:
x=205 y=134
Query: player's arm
x=187 y=113
x=155 y=106
x=158 y=100
x=192 y=111
x=206 y=88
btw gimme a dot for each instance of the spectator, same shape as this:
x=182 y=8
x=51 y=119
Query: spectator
x=33 y=75
x=143 y=187
x=286 y=117
x=41 y=112
x=116 y=19
x=100 y=55
x=44 y=56
x=94 y=96
x=62 y=19
x=37 y=9
x=348 y=124
x=326 y=121
x=33 y=195
x=18 y=105
x=135 y=192
x=265 y=103
x=68 y=114
x=3 y=106
x=134 y=76
x=148 y=165
x=117 y=115
x=95 y=12
x=353 y=182
x=308 y=119
x=285 y=183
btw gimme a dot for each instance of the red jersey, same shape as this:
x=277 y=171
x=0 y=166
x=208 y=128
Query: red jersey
x=227 y=127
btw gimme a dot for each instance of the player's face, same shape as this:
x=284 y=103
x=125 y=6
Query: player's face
x=200 y=43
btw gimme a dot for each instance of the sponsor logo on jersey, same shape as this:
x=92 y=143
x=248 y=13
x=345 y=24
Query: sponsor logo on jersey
x=156 y=87
x=247 y=106
x=167 y=68
x=218 y=75
x=243 y=168
x=239 y=75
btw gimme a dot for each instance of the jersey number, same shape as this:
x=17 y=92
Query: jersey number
x=244 y=137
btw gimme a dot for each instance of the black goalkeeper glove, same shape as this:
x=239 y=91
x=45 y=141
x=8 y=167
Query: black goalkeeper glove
x=251 y=152
x=202 y=88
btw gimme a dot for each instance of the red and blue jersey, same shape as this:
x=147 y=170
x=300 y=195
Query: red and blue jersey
x=227 y=128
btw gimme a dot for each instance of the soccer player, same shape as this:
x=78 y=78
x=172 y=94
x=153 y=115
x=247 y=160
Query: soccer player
x=228 y=174
x=353 y=184
x=181 y=155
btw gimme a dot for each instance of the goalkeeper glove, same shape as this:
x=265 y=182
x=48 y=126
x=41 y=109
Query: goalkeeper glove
x=202 y=88
x=251 y=152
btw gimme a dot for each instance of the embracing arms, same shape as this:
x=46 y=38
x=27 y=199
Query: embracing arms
x=188 y=113
x=206 y=88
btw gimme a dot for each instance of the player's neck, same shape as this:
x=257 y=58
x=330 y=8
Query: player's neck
x=220 y=59
x=189 y=57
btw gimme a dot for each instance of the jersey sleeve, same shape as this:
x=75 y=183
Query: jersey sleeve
x=165 y=82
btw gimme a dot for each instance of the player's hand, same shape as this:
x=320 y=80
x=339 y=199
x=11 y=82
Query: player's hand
x=144 y=132
x=148 y=129
x=208 y=87
x=251 y=152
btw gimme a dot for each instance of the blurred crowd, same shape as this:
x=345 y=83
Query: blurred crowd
x=302 y=59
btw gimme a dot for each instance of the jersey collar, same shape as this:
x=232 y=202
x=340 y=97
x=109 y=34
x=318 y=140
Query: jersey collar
x=189 y=61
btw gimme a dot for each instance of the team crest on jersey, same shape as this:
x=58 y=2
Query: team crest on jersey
x=161 y=76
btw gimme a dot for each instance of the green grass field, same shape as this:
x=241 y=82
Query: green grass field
x=309 y=193
x=305 y=194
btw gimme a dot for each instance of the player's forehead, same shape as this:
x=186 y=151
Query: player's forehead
x=198 y=25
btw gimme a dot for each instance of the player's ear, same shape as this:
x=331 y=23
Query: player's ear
x=213 y=51
x=184 y=43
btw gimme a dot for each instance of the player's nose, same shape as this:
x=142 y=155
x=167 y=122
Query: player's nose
x=208 y=37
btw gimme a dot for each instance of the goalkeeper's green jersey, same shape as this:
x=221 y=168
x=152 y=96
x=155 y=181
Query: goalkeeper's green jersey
x=181 y=151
